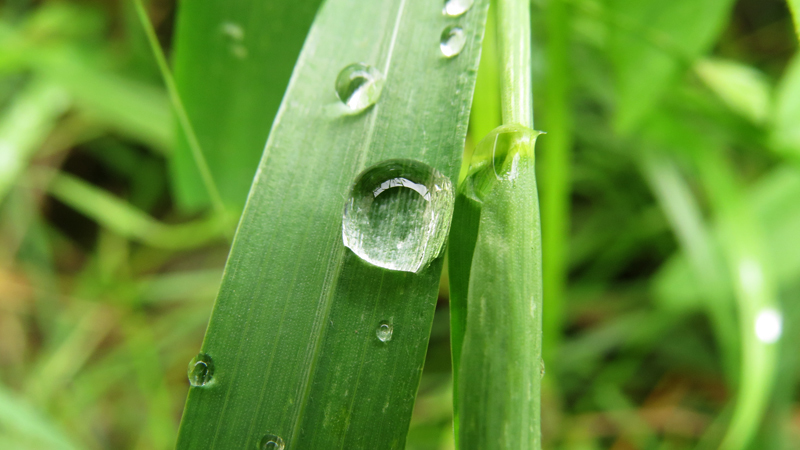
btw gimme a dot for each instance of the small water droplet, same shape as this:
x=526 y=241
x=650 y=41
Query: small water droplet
x=541 y=367
x=359 y=86
x=384 y=331
x=271 y=442
x=201 y=370
x=455 y=8
x=502 y=155
x=233 y=31
x=395 y=218
x=452 y=42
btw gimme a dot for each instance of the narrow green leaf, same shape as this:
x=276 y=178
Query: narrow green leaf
x=651 y=41
x=24 y=125
x=744 y=89
x=794 y=6
x=245 y=51
x=129 y=222
x=295 y=334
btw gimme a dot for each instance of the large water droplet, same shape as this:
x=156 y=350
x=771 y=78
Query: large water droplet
x=502 y=155
x=271 y=442
x=456 y=8
x=398 y=215
x=359 y=86
x=384 y=331
x=201 y=370
x=452 y=42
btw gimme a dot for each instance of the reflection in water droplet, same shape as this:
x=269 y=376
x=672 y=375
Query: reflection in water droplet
x=271 y=442
x=233 y=31
x=502 y=155
x=359 y=86
x=455 y=8
x=398 y=215
x=769 y=325
x=541 y=367
x=452 y=41
x=384 y=331
x=201 y=370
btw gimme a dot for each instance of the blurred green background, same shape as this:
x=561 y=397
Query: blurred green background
x=673 y=270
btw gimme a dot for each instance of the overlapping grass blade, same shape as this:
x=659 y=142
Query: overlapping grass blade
x=245 y=51
x=293 y=333
x=495 y=266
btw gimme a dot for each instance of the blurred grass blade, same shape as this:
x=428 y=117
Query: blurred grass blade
x=24 y=425
x=744 y=89
x=651 y=41
x=187 y=130
x=294 y=337
x=794 y=6
x=760 y=319
x=555 y=167
x=685 y=218
x=495 y=266
x=124 y=219
x=245 y=50
x=25 y=125
x=785 y=132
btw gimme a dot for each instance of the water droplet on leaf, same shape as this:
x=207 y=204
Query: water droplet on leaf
x=201 y=370
x=456 y=8
x=233 y=31
x=769 y=325
x=452 y=42
x=541 y=367
x=271 y=442
x=359 y=86
x=398 y=215
x=384 y=331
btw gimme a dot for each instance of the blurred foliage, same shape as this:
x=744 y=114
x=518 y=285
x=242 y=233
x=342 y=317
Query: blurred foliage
x=684 y=187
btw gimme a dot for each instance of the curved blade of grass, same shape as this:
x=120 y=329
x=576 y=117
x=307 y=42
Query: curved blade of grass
x=756 y=301
x=128 y=221
x=794 y=6
x=495 y=268
x=293 y=333
x=245 y=51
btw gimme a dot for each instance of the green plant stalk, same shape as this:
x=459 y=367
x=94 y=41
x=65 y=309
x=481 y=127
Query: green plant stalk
x=495 y=267
x=514 y=43
x=180 y=112
x=556 y=175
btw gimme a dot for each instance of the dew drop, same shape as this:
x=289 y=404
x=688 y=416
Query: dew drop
x=384 y=331
x=201 y=370
x=502 y=155
x=455 y=8
x=452 y=42
x=233 y=31
x=359 y=86
x=541 y=367
x=271 y=442
x=398 y=214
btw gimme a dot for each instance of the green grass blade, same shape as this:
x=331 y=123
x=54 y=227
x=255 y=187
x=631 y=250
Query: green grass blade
x=555 y=169
x=186 y=127
x=495 y=267
x=293 y=333
x=649 y=43
x=245 y=51
x=24 y=126
x=127 y=221
x=794 y=6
